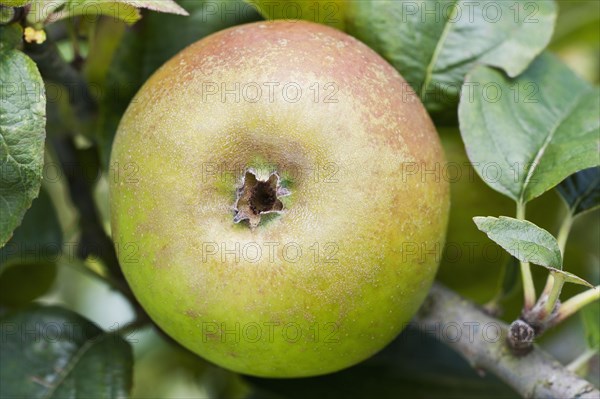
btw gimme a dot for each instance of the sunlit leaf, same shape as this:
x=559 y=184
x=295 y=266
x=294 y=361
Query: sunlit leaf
x=114 y=9
x=14 y=3
x=166 y=6
x=327 y=12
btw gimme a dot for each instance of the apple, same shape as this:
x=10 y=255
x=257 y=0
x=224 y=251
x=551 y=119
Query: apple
x=269 y=203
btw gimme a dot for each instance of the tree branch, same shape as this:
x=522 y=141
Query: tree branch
x=55 y=69
x=482 y=342
x=94 y=240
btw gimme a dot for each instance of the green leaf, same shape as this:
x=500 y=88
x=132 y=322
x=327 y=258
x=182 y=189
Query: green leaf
x=124 y=10
x=570 y=277
x=577 y=24
x=115 y=9
x=8 y=15
x=28 y=260
x=156 y=39
x=526 y=135
x=166 y=6
x=22 y=135
x=327 y=12
x=21 y=283
x=414 y=365
x=591 y=324
x=14 y=3
x=522 y=239
x=11 y=36
x=433 y=44
x=581 y=191
x=40 y=10
x=50 y=352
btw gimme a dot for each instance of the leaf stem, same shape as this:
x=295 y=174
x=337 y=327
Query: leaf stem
x=580 y=361
x=573 y=304
x=558 y=281
x=54 y=68
x=140 y=322
x=119 y=285
x=74 y=37
x=563 y=235
x=528 y=286
x=93 y=239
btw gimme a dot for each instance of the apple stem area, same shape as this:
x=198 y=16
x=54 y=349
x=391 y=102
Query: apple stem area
x=256 y=197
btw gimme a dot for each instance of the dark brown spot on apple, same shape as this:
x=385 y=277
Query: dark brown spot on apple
x=262 y=197
x=258 y=197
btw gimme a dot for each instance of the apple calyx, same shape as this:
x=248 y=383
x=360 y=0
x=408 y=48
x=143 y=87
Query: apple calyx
x=257 y=197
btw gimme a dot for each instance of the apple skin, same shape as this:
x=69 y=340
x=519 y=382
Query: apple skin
x=361 y=221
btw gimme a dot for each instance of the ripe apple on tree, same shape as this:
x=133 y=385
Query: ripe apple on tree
x=269 y=210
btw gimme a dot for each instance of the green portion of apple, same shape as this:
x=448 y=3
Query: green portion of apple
x=339 y=269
